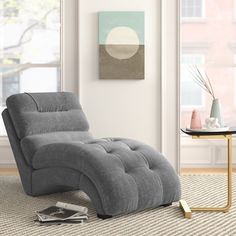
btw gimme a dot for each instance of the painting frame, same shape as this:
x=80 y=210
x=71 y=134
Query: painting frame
x=121 y=45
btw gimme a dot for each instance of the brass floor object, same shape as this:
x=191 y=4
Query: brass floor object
x=183 y=204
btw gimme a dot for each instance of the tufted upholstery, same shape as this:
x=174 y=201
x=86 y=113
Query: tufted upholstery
x=119 y=175
x=128 y=175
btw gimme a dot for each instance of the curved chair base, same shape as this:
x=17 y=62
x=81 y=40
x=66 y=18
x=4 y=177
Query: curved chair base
x=104 y=217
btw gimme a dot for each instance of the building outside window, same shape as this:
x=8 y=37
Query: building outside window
x=212 y=43
x=193 y=9
x=30 y=44
x=191 y=95
x=10 y=81
x=216 y=40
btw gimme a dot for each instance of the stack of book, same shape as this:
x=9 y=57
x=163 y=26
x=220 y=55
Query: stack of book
x=62 y=213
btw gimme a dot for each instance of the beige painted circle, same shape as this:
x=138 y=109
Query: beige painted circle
x=122 y=43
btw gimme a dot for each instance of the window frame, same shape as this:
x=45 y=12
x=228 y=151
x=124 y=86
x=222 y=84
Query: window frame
x=5 y=81
x=234 y=14
x=234 y=80
x=192 y=19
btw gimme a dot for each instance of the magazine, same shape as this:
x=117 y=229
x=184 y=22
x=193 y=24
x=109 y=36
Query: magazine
x=47 y=223
x=72 y=207
x=62 y=213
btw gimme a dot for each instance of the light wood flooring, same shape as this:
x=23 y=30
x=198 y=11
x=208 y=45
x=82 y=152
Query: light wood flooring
x=187 y=171
x=184 y=171
x=8 y=171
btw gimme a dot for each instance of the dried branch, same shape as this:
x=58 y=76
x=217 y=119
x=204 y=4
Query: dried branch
x=21 y=39
x=202 y=81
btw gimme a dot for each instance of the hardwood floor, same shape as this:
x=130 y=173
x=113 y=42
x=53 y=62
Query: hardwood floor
x=187 y=171
x=8 y=172
x=184 y=171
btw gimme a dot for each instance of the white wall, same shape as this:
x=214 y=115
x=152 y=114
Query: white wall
x=210 y=153
x=145 y=110
x=121 y=107
x=170 y=81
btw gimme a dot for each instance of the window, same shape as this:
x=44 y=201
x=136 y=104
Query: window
x=29 y=48
x=217 y=44
x=193 y=8
x=234 y=14
x=10 y=81
x=191 y=94
x=235 y=80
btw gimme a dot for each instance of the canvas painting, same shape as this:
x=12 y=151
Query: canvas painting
x=121 y=45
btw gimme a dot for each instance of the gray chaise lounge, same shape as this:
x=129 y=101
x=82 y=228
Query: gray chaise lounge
x=55 y=152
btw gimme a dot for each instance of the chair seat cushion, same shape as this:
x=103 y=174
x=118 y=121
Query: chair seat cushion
x=33 y=143
x=128 y=175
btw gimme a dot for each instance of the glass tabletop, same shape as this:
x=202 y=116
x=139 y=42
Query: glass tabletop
x=231 y=130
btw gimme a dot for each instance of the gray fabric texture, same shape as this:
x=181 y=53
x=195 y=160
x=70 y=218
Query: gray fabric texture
x=48 y=112
x=25 y=170
x=56 y=179
x=122 y=170
x=30 y=144
x=55 y=153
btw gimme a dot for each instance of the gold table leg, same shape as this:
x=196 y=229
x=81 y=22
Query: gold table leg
x=185 y=208
x=183 y=204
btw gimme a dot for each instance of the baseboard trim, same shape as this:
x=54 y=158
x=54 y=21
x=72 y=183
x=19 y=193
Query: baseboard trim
x=8 y=165
x=4 y=142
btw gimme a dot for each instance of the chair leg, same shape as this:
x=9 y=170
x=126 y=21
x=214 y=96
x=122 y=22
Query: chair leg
x=104 y=217
x=166 y=205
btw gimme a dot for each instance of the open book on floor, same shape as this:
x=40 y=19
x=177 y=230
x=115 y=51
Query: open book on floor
x=62 y=213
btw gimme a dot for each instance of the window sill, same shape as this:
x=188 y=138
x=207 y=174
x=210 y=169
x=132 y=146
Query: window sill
x=195 y=20
x=191 y=108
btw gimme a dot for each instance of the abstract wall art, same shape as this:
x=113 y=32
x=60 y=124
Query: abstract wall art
x=121 y=45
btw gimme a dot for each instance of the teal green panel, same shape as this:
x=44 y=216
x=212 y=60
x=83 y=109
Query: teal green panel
x=111 y=19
